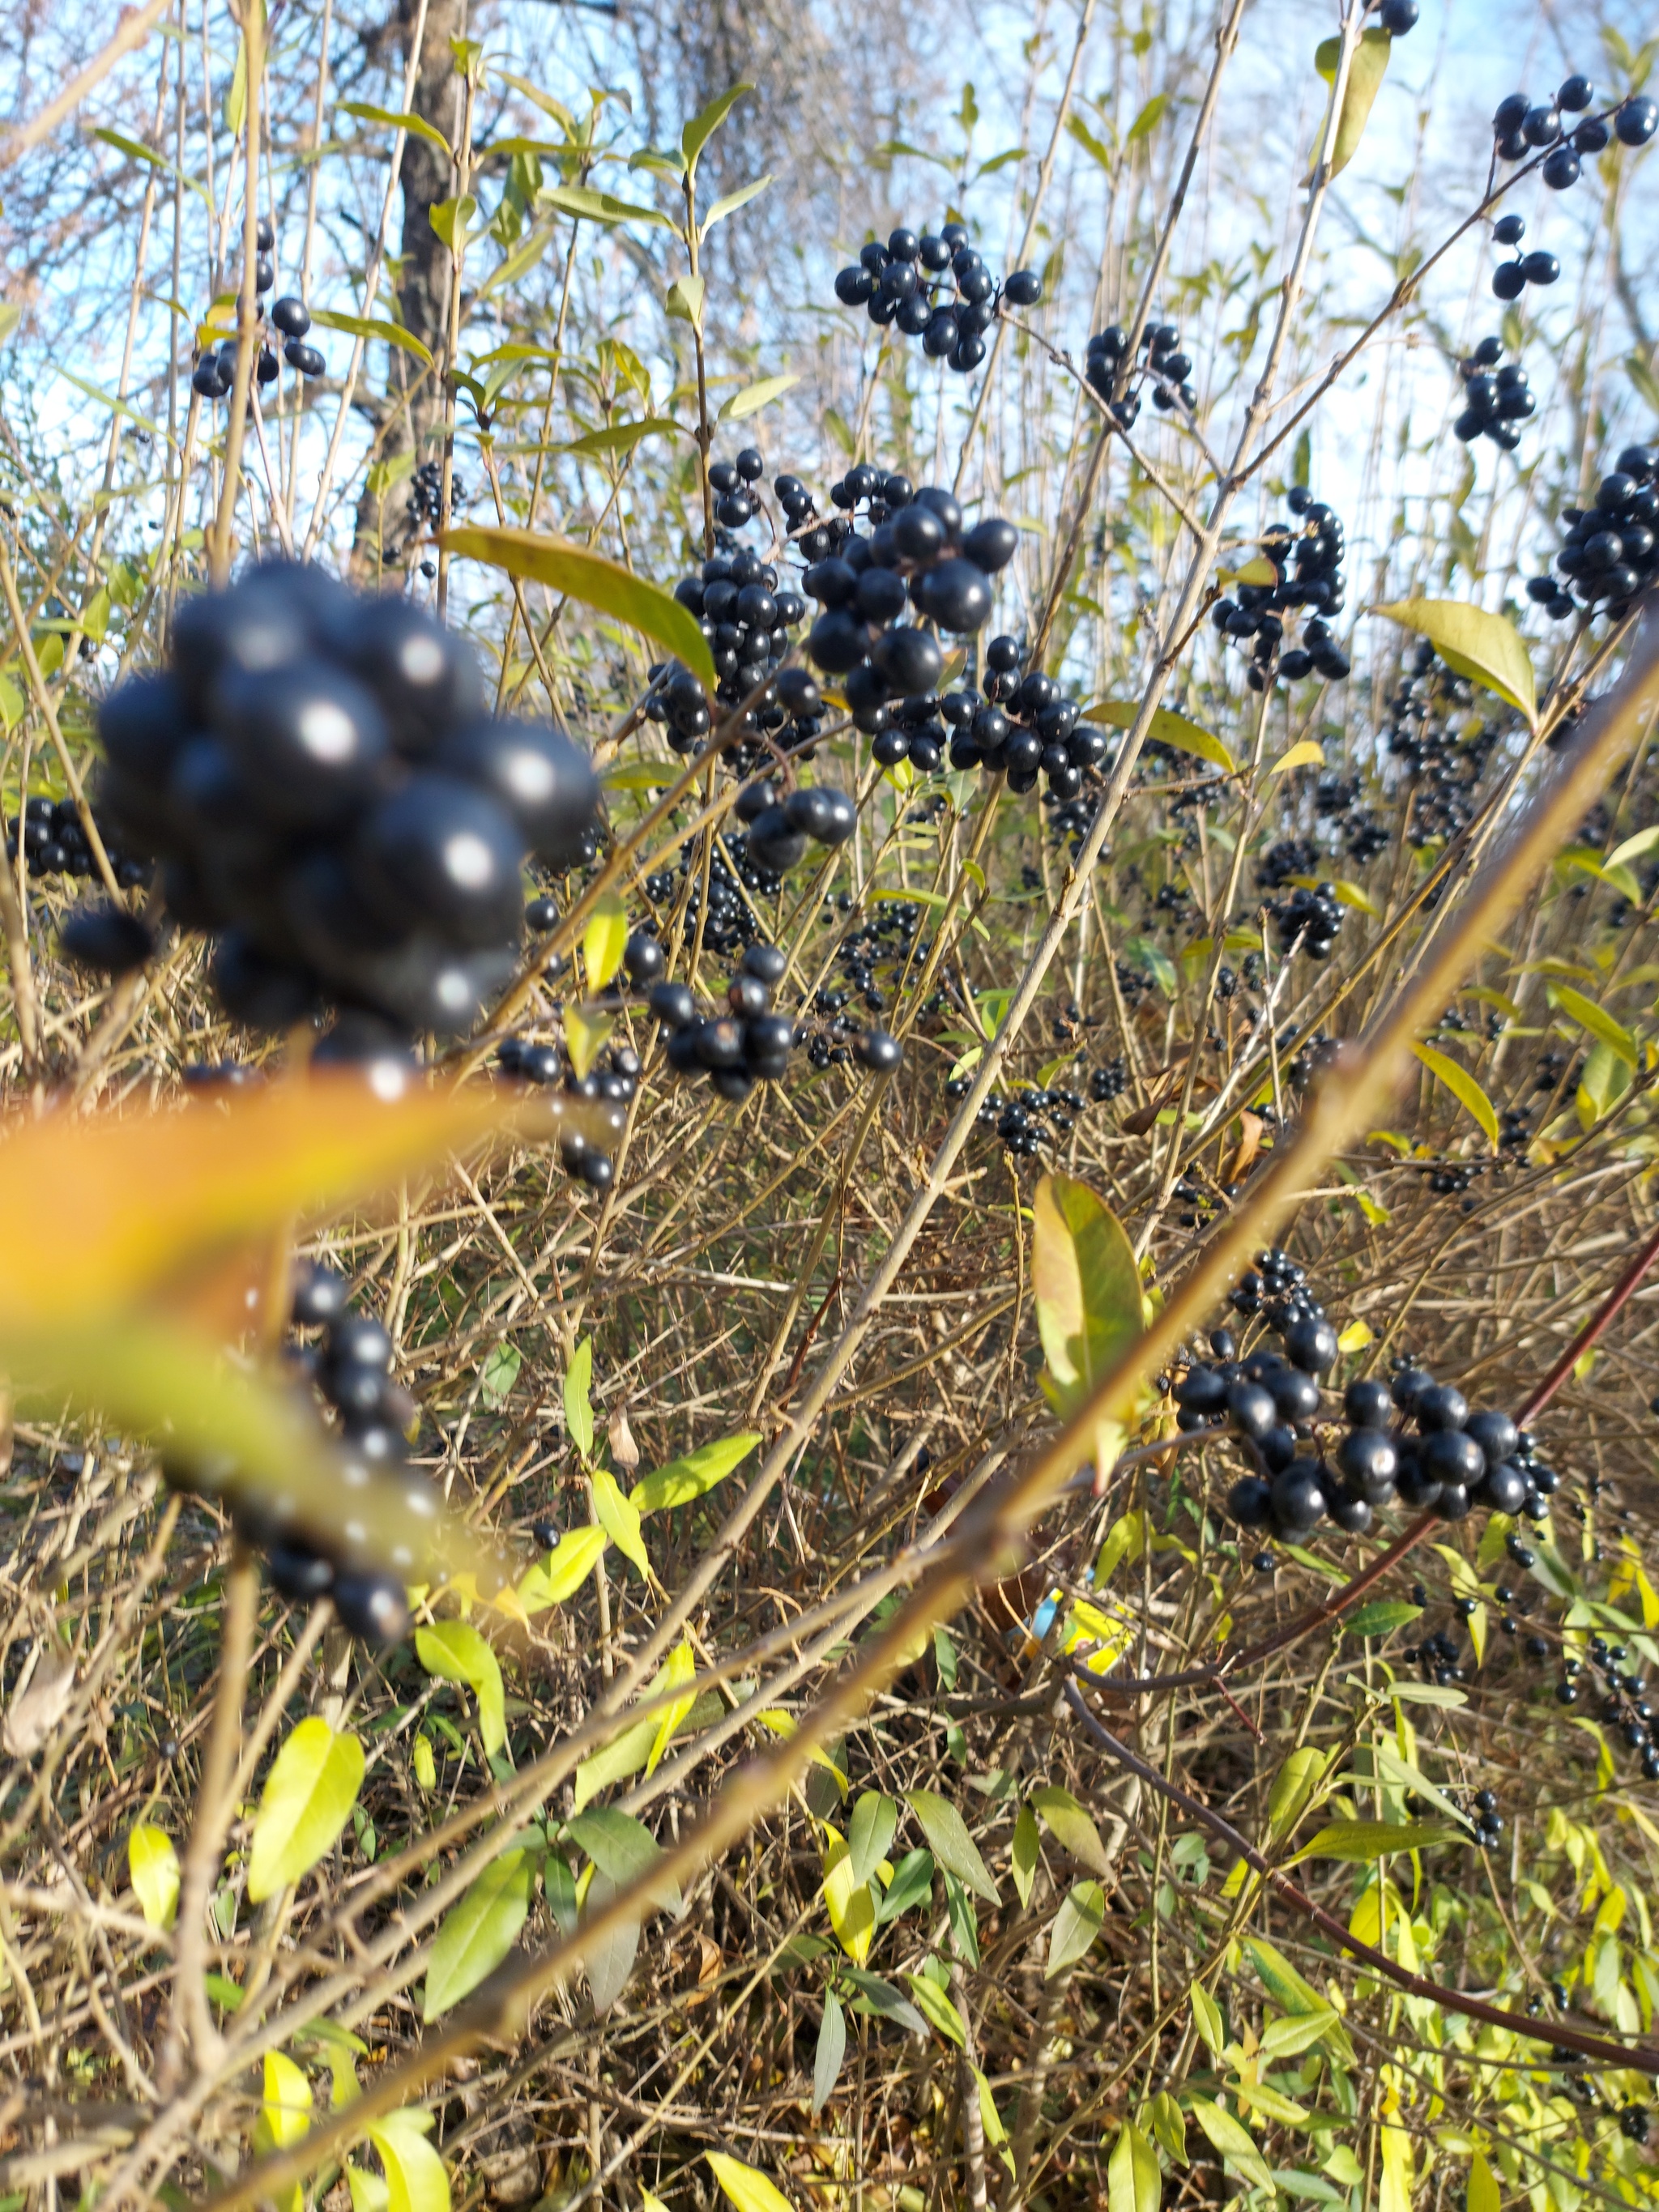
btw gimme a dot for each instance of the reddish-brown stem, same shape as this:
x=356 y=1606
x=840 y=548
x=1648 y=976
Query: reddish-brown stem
x=1623 y=2055
x=1613 y=1305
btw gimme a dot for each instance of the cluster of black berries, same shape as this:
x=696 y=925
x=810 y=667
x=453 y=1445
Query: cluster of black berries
x=1029 y=1119
x=887 y=938
x=747 y=620
x=1271 y=1401
x=1626 y=1703
x=780 y=831
x=290 y=318
x=1165 y=369
x=1496 y=396
x=1510 y=278
x=426 y=498
x=1443 y=748
x=730 y=481
x=922 y=555
x=1026 y=727
x=1365 y=835
x=1306 y=556
x=613 y=1082
x=1611 y=550
x=729 y=923
x=347 y=1358
x=751 y=1043
x=317 y=770
x=1522 y=126
x=55 y=844
x=935 y=287
x=1309 y=920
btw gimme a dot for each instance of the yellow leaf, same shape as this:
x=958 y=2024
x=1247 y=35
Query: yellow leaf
x=97 y=1212
x=1483 y=646
x=852 y=1908
x=604 y=942
x=1168 y=727
x=1482 y=2194
x=311 y=1788
x=682 y=1665
x=1087 y=1289
x=749 y=2189
x=1355 y=1337
x=585 y=1039
x=1597 y=1019
x=1304 y=754
x=566 y=1568
x=1462 y=1086
x=152 y=1864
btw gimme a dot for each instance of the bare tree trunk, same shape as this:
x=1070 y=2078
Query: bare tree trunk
x=414 y=397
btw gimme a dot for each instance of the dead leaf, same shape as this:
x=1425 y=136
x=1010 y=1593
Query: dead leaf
x=1250 y=1127
x=624 y=1452
x=32 y=1716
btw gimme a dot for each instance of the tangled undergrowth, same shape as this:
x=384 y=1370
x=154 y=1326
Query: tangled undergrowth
x=826 y=1288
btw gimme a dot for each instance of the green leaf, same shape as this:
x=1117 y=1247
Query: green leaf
x=596 y=207
x=1234 y=2140
x=1146 y=122
x=874 y=1995
x=1134 y=2182
x=1169 y=2126
x=1168 y=727
x=578 y=1404
x=416 y=125
x=870 y=1834
x=1087 y=1289
x=831 y=2050
x=938 y=2009
x=754 y=397
x=1462 y=1087
x=1600 y=1024
x=414 y=2177
x=1369 y=1839
x=311 y=1788
x=1027 y=1847
x=622 y=1848
x=518 y=263
x=478 y=1932
x=1634 y=848
x=1366 y=69
x=1206 y=2014
x=618 y=1517
x=1073 y=1828
x=361 y=326
x=1096 y=148
x=1079 y=1921
x=702 y=128
x=680 y=1666
x=1381 y=1618
x=682 y=1480
x=454 y=1651
x=912 y=1884
x=452 y=221
x=622 y=437
x=684 y=299
x=498 y=1375
x=596 y=581
x=1485 y=648
x=153 y=1865
x=953 y=1847
x=624 y=1755
x=732 y=202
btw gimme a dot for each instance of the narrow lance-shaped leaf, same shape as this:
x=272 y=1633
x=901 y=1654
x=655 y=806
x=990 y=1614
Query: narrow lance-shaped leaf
x=684 y=1479
x=589 y=577
x=1462 y=1087
x=454 y=1651
x=478 y=1931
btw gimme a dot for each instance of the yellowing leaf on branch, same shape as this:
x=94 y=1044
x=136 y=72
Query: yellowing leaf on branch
x=589 y=577
x=454 y=1651
x=1367 y=67
x=1483 y=646
x=1087 y=1291
x=1168 y=727
x=1462 y=1087
x=311 y=1788
x=747 y=2188
x=153 y=1865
